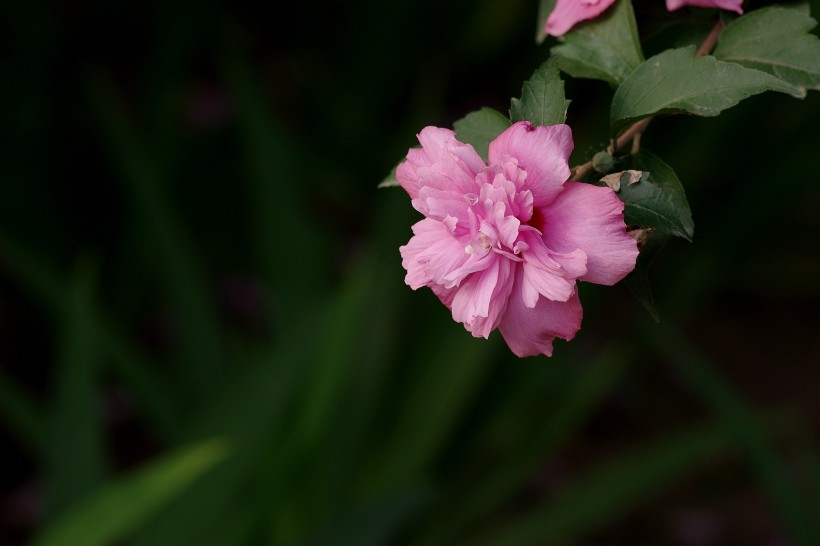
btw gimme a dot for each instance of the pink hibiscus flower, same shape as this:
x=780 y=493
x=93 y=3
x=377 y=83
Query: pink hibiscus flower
x=503 y=243
x=567 y=13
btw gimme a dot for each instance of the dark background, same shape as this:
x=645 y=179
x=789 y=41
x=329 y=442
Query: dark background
x=192 y=246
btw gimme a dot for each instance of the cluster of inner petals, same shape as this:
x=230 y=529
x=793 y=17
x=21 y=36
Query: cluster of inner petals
x=498 y=214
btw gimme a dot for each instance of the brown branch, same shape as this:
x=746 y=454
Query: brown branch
x=710 y=40
x=634 y=130
x=633 y=133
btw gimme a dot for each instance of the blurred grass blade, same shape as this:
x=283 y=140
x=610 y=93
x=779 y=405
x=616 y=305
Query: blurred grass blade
x=330 y=370
x=510 y=476
x=740 y=422
x=338 y=459
x=116 y=510
x=346 y=378
x=435 y=399
x=252 y=410
x=376 y=524
x=347 y=381
x=21 y=415
x=181 y=273
x=44 y=284
x=153 y=394
x=612 y=489
x=75 y=459
x=277 y=179
x=312 y=476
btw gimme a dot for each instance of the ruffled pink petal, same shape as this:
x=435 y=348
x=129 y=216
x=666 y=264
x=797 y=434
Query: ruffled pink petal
x=568 y=13
x=482 y=299
x=542 y=152
x=439 y=204
x=569 y=264
x=545 y=282
x=407 y=173
x=730 y=5
x=441 y=143
x=442 y=162
x=591 y=218
x=548 y=273
x=530 y=331
x=446 y=295
x=473 y=264
x=431 y=253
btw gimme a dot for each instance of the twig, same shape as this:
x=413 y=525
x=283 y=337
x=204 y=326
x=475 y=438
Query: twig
x=633 y=133
x=711 y=39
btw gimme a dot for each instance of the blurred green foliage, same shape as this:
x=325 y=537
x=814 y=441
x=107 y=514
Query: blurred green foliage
x=205 y=337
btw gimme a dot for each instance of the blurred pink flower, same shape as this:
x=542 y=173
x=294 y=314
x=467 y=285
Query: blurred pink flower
x=729 y=5
x=503 y=244
x=567 y=13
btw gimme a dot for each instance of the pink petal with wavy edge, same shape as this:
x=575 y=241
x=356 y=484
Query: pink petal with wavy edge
x=548 y=273
x=546 y=276
x=473 y=264
x=591 y=218
x=431 y=254
x=442 y=162
x=730 y=5
x=446 y=295
x=570 y=264
x=530 y=332
x=543 y=152
x=538 y=281
x=477 y=289
x=439 y=204
x=482 y=298
x=568 y=13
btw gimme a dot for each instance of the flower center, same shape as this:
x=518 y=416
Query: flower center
x=537 y=220
x=480 y=245
x=499 y=213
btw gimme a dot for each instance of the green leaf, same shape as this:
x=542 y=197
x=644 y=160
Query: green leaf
x=775 y=40
x=606 y=48
x=479 y=128
x=676 y=81
x=390 y=180
x=658 y=204
x=638 y=280
x=542 y=99
x=657 y=201
x=116 y=510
